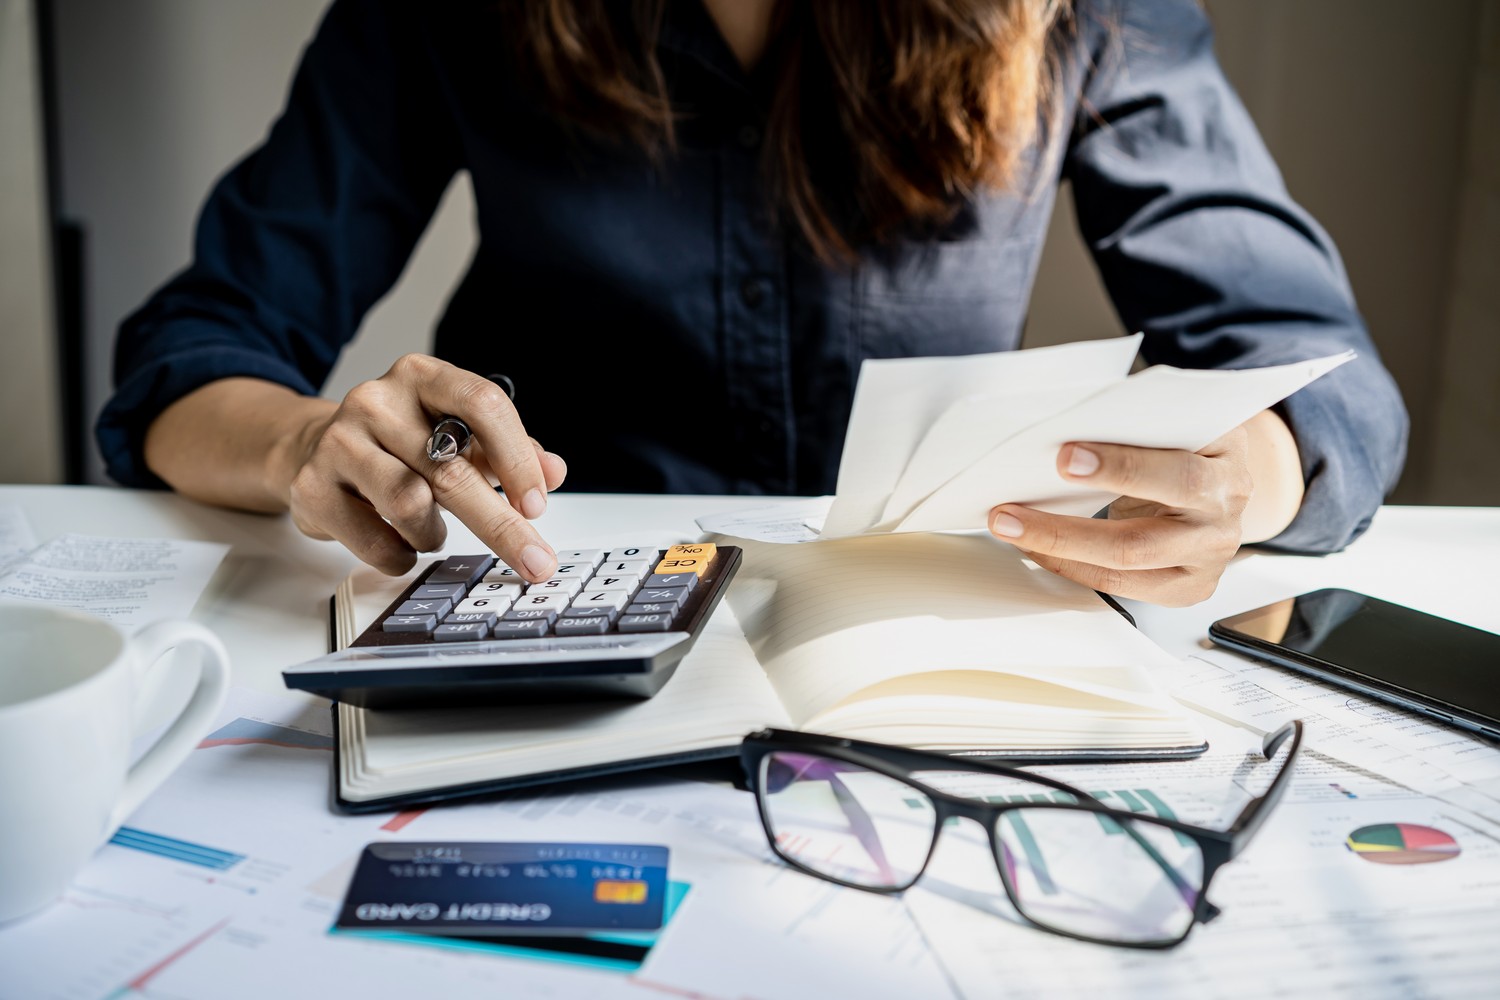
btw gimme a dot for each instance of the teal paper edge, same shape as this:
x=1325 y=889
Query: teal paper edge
x=676 y=893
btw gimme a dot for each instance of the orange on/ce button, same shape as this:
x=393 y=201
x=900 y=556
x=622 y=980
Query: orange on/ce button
x=693 y=558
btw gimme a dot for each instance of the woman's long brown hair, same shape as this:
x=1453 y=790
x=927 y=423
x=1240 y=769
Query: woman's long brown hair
x=885 y=115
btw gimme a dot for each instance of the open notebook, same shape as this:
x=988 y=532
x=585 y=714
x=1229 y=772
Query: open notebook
x=952 y=642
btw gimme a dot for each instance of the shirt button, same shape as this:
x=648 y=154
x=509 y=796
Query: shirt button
x=749 y=136
x=766 y=427
x=753 y=292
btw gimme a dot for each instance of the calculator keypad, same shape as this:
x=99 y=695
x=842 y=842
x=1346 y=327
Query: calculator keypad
x=627 y=589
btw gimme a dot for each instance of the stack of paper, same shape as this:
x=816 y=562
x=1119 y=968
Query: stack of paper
x=934 y=443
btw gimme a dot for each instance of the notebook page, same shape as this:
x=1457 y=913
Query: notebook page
x=1161 y=407
x=829 y=620
x=898 y=399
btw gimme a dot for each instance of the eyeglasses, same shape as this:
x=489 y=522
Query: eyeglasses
x=853 y=813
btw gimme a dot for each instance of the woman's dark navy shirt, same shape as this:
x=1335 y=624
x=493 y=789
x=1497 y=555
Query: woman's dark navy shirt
x=600 y=279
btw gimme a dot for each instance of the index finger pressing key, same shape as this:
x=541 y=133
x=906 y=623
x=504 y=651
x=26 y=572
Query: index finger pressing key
x=462 y=489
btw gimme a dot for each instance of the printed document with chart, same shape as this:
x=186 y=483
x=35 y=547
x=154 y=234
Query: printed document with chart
x=934 y=443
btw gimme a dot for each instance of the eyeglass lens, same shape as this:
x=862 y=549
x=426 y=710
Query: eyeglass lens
x=1098 y=876
x=1070 y=870
x=844 y=821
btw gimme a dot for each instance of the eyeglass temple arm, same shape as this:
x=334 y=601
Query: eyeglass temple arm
x=1258 y=809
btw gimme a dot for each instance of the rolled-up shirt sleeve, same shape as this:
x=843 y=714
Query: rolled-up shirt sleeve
x=1201 y=248
x=299 y=239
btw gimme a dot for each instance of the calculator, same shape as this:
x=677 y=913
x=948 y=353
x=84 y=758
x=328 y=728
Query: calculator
x=610 y=623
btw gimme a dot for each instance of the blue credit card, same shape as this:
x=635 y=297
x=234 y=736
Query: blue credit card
x=503 y=889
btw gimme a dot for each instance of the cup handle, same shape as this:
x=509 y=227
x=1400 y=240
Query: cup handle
x=171 y=749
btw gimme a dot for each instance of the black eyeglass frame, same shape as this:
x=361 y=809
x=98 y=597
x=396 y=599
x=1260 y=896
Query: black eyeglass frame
x=1217 y=847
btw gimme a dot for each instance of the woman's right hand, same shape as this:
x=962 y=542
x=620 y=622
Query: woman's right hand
x=363 y=478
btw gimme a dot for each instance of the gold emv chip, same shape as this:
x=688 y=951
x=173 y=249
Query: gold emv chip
x=616 y=891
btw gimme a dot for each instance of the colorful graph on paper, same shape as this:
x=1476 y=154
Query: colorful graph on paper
x=1402 y=844
x=174 y=849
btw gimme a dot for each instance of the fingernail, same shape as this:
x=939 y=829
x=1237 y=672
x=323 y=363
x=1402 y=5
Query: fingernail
x=534 y=504
x=1006 y=525
x=537 y=560
x=1082 y=462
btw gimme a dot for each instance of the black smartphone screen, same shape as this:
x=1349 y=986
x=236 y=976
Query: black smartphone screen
x=1408 y=652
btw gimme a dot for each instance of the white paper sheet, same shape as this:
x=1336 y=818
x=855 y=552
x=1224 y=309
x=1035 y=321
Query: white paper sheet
x=1410 y=748
x=898 y=400
x=129 y=581
x=254 y=797
x=783 y=523
x=953 y=444
x=15 y=536
x=935 y=443
x=1160 y=407
x=1303 y=915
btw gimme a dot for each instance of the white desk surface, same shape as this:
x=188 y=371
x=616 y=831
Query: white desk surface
x=269 y=600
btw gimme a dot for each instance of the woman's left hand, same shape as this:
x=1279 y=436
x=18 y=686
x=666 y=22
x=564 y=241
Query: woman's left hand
x=1169 y=536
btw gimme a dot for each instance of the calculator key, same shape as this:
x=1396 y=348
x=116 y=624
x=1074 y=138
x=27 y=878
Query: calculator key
x=581 y=626
x=607 y=613
x=664 y=580
x=588 y=557
x=467 y=570
x=452 y=591
x=577 y=571
x=687 y=559
x=668 y=595
x=435 y=606
x=503 y=574
x=461 y=632
x=461 y=618
x=635 y=568
x=533 y=629
x=556 y=602
x=530 y=615
x=602 y=582
x=565 y=585
x=644 y=623
x=648 y=552
x=695 y=565
x=612 y=599
x=479 y=605
x=503 y=591
x=653 y=608
x=703 y=550
x=409 y=623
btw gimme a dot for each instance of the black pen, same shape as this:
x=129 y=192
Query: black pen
x=450 y=435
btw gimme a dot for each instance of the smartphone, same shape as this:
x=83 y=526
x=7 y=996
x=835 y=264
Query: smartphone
x=1418 y=661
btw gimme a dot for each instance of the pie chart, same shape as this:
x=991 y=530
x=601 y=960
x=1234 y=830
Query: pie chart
x=1401 y=844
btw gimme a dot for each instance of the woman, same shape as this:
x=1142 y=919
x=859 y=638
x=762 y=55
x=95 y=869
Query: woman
x=697 y=217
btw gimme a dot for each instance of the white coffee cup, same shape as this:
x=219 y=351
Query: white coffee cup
x=72 y=690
